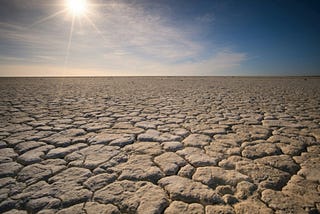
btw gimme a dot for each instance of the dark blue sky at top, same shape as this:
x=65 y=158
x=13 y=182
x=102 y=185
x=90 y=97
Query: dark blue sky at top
x=278 y=37
x=281 y=36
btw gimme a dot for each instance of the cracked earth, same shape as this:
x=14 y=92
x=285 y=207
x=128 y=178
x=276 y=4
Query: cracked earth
x=159 y=145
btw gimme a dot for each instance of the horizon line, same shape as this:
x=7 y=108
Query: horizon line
x=132 y=76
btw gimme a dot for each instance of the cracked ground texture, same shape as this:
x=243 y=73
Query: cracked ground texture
x=159 y=145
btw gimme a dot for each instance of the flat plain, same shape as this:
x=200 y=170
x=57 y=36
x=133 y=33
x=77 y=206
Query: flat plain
x=160 y=145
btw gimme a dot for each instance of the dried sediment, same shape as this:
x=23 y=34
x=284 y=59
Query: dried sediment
x=160 y=145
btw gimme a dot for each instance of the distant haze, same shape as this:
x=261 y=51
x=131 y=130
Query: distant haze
x=163 y=37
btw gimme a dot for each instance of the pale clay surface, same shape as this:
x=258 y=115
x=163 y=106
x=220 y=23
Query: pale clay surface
x=160 y=145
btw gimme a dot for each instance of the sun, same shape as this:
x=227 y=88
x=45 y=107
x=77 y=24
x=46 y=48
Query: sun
x=77 y=7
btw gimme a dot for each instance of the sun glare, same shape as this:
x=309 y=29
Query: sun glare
x=77 y=7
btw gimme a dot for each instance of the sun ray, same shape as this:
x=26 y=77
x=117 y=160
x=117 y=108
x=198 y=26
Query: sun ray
x=48 y=18
x=69 y=42
x=95 y=27
x=77 y=9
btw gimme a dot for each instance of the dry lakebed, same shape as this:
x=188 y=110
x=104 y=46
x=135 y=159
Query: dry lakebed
x=160 y=145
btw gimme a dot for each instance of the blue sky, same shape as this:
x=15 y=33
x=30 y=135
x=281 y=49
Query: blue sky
x=160 y=37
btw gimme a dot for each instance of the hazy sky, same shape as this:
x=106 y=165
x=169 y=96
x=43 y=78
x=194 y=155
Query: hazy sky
x=160 y=37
